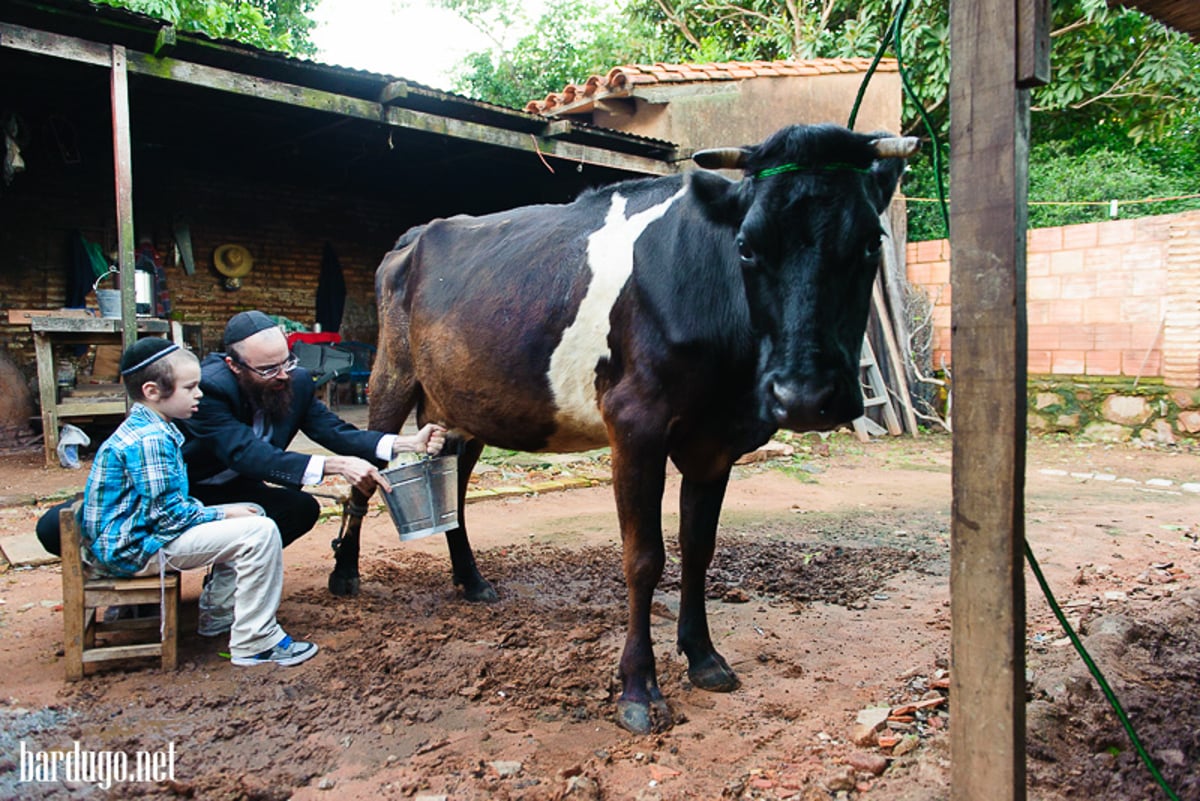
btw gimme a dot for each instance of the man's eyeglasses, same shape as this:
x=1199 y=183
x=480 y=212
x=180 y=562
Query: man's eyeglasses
x=273 y=370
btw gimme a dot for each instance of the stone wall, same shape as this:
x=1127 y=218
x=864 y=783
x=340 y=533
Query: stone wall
x=1114 y=410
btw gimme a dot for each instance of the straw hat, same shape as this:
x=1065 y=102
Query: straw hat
x=233 y=261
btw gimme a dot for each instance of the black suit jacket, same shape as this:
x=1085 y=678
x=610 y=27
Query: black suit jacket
x=220 y=434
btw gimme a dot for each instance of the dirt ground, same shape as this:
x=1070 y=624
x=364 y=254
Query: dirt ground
x=829 y=596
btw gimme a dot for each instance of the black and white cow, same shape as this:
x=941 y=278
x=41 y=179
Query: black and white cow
x=684 y=318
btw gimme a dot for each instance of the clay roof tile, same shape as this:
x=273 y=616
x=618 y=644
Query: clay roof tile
x=635 y=80
x=617 y=78
x=620 y=80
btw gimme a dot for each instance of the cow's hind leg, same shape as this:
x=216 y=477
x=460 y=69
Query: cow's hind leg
x=700 y=509
x=462 y=559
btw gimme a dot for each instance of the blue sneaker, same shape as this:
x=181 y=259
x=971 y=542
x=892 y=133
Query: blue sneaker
x=287 y=652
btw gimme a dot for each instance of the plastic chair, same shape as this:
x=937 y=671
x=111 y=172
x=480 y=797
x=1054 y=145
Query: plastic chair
x=84 y=596
x=326 y=363
x=363 y=355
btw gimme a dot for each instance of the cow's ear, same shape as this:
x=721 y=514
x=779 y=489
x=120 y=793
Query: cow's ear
x=885 y=176
x=718 y=196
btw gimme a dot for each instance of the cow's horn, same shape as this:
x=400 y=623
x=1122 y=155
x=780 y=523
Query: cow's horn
x=720 y=158
x=896 y=147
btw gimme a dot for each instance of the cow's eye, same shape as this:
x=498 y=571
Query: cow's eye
x=745 y=253
x=871 y=253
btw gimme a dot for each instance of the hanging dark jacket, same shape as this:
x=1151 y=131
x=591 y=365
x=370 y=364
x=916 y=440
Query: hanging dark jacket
x=331 y=292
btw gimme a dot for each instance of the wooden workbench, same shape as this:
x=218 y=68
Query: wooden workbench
x=51 y=330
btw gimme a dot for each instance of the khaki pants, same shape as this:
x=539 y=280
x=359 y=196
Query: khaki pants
x=249 y=547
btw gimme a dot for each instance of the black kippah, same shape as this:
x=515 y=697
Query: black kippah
x=245 y=324
x=145 y=352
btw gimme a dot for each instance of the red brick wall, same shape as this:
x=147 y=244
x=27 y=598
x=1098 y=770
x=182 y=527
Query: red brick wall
x=1119 y=298
x=284 y=227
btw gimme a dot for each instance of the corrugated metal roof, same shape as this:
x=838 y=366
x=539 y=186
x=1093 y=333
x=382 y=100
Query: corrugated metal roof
x=1182 y=15
x=108 y=24
x=624 y=81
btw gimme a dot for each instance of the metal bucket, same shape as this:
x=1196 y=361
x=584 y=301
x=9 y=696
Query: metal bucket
x=109 y=299
x=424 y=496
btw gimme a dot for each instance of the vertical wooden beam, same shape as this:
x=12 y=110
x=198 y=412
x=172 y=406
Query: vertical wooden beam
x=123 y=180
x=1033 y=43
x=43 y=349
x=989 y=145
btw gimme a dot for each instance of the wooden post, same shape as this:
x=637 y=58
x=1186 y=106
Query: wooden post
x=74 y=615
x=123 y=180
x=43 y=349
x=989 y=145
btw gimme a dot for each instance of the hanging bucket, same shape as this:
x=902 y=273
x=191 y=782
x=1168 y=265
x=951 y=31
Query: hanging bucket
x=109 y=299
x=424 y=496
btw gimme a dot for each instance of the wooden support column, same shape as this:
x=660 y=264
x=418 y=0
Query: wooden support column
x=989 y=145
x=123 y=181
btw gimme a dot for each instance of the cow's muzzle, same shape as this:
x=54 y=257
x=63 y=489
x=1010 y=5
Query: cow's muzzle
x=813 y=405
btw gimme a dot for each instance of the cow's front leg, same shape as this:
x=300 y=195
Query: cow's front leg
x=343 y=581
x=699 y=512
x=638 y=477
x=462 y=559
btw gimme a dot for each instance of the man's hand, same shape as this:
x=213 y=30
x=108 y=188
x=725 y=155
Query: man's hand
x=430 y=439
x=361 y=474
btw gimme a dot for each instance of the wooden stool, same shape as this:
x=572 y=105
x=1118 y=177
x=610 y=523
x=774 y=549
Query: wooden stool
x=83 y=596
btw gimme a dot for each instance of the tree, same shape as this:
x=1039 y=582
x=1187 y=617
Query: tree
x=1122 y=83
x=528 y=59
x=550 y=57
x=1109 y=64
x=281 y=25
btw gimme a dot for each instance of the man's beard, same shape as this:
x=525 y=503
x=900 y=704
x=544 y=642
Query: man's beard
x=273 y=398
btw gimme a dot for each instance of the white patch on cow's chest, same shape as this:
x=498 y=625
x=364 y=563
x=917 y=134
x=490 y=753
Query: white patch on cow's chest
x=573 y=363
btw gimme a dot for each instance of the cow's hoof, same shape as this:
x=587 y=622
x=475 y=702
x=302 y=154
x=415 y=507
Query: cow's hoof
x=343 y=586
x=714 y=674
x=480 y=591
x=640 y=718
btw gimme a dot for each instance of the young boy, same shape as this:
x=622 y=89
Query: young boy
x=138 y=518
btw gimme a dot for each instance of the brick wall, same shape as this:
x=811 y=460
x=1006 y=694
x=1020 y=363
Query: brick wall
x=1118 y=298
x=284 y=227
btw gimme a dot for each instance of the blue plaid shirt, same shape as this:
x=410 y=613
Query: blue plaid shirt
x=136 y=499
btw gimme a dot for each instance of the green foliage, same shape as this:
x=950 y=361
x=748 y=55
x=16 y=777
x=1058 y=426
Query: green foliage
x=1119 y=119
x=550 y=57
x=700 y=30
x=1061 y=177
x=1100 y=175
x=1115 y=70
x=281 y=25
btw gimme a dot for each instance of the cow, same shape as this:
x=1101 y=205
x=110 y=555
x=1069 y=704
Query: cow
x=686 y=317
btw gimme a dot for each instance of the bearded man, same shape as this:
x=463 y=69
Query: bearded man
x=256 y=399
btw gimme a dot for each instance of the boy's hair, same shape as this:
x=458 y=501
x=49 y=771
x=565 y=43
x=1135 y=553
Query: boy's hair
x=151 y=360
